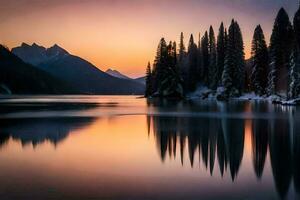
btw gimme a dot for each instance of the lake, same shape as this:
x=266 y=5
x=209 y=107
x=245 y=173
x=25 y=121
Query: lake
x=124 y=147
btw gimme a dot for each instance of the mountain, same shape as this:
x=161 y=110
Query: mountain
x=117 y=74
x=18 y=77
x=75 y=71
x=141 y=80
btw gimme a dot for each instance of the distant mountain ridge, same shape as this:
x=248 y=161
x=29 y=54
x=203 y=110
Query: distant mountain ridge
x=116 y=73
x=36 y=54
x=141 y=80
x=18 y=77
x=75 y=71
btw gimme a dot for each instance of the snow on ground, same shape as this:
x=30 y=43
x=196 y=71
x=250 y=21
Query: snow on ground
x=203 y=92
x=250 y=96
x=292 y=102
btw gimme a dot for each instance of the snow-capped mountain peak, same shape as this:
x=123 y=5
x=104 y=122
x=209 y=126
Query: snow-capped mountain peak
x=36 y=54
x=116 y=73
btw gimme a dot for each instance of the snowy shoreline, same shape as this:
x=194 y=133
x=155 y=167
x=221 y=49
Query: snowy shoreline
x=205 y=93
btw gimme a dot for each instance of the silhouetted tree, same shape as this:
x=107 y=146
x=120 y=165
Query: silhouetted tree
x=171 y=84
x=182 y=51
x=182 y=62
x=294 y=63
x=160 y=63
x=199 y=59
x=149 y=89
x=297 y=26
x=280 y=51
x=213 y=82
x=205 y=58
x=221 y=50
x=294 y=75
x=259 y=59
x=233 y=76
x=192 y=64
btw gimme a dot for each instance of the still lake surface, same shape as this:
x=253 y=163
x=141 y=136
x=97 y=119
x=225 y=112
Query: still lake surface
x=124 y=147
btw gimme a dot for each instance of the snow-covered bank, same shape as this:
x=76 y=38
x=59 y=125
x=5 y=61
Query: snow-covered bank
x=293 y=102
x=203 y=92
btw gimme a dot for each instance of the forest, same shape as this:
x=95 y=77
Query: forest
x=218 y=63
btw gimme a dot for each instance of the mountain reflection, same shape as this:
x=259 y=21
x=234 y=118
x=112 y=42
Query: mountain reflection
x=37 y=131
x=221 y=139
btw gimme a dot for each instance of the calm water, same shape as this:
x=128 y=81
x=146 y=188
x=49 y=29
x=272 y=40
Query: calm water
x=104 y=147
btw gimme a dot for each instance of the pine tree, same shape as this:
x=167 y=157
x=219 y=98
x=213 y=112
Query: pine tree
x=234 y=70
x=174 y=52
x=148 y=91
x=182 y=62
x=199 y=59
x=212 y=80
x=165 y=76
x=239 y=72
x=227 y=75
x=294 y=87
x=159 y=66
x=192 y=64
x=171 y=84
x=294 y=64
x=205 y=58
x=221 y=50
x=259 y=59
x=280 y=51
x=297 y=26
x=182 y=51
x=226 y=40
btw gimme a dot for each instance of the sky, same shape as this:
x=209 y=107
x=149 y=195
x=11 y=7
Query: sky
x=124 y=34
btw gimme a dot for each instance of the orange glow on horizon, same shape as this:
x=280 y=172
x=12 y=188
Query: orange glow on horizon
x=124 y=35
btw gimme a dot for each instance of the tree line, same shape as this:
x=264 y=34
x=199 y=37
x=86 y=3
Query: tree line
x=219 y=64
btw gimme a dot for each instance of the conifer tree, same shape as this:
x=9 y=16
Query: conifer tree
x=199 y=59
x=226 y=40
x=205 y=58
x=165 y=76
x=234 y=70
x=297 y=26
x=280 y=52
x=259 y=59
x=294 y=87
x=212 y=78
x=182 y=51
x=227 y=75
x=174 y=52
x=182 y=62
x=192 y=64
x=221 y=50
x=294 y=64
x=239 y=72
x=148 y=91
x=160 y=63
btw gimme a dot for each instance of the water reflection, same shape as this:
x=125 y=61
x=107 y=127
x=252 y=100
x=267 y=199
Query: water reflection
x=221 y=141
x=37 y=131
x=183 y=150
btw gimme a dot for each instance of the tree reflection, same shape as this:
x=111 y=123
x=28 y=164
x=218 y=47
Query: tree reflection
x=220 y=141
x=260 y=133
x=37 y=131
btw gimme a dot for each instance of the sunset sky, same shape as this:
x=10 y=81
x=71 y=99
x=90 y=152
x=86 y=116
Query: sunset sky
x=123 y=34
